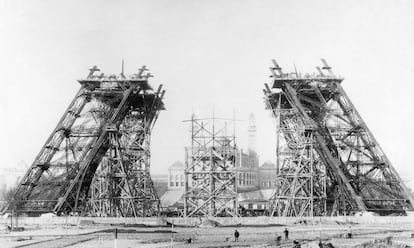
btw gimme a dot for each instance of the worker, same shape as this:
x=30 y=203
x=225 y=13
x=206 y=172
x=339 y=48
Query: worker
x=349 y=233
x=320 y=245
x=278 y=240
x=236 y=235
x=296 y=244
x=286 y=232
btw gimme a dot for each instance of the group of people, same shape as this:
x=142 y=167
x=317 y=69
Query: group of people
x=278 y=238
x=296 y=243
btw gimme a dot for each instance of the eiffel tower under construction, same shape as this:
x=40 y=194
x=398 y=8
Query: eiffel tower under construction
x=328 y=161
x=96 y=162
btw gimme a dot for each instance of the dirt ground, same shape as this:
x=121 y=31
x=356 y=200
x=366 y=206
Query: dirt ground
x=398 y=234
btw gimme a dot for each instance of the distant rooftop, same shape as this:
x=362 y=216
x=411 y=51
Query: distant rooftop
x=177 y=165
x=268 y=165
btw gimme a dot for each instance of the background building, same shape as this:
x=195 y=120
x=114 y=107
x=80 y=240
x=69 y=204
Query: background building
x=254 y=183
x=160 y=183
x=267 y=175
x=176 y=175
x=252 y=132
x=248 y=163
x=247 y=171
x=172 y=199
x=9 y=179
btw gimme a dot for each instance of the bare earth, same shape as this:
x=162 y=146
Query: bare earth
x=102 y=236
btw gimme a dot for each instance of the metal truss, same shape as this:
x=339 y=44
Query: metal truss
x=106 y=126
x=331 y=163
x=122 y=185
x=301 y=180
x=210 y=169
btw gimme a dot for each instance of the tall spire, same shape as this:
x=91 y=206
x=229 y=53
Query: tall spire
x=252 y=131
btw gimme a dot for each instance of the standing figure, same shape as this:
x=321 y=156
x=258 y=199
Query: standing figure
x=286 y=232
x=236 y=235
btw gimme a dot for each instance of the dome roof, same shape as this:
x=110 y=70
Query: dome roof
x=268 y=164
x=177 y=165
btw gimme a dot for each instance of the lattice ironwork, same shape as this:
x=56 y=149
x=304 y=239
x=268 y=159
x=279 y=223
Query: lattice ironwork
x=329 y=161
x=210 y=169
x=106 y=126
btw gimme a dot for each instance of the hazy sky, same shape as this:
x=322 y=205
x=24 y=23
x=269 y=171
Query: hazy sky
x=209 y=55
